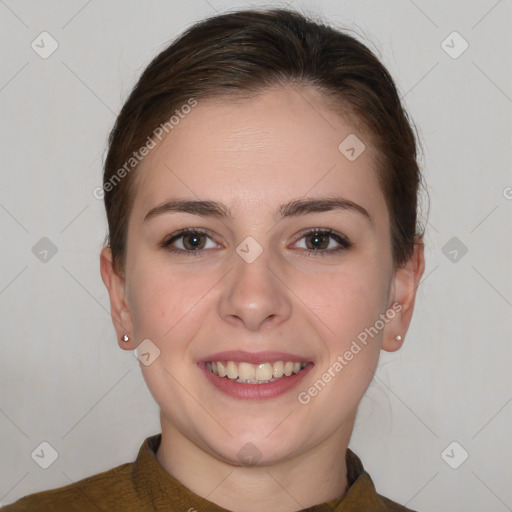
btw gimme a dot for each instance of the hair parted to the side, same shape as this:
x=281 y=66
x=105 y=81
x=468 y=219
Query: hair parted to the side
x=245 y=52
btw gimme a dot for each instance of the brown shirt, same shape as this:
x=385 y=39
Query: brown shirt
x=144 y=486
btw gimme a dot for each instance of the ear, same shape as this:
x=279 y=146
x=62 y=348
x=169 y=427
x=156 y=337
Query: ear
x=121 y=316
x=402 y=297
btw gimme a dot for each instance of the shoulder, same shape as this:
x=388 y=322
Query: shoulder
x=362 y=494
x=392 y=506
x=100 y=492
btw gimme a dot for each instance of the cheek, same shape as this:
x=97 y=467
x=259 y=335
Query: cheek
x=164 y=302
x=347 y=304
x=346 y=301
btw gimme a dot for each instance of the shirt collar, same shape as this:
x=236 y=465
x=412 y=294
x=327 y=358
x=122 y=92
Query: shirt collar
x=155 y=485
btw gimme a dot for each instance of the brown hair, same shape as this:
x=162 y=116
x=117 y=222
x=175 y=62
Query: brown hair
x=243 y=53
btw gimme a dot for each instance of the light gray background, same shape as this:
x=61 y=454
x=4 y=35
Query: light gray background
x=63 y=378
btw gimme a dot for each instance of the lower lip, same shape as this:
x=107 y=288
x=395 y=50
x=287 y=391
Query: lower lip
x=255 y=391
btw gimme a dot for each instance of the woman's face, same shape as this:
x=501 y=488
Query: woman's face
x=287 y=260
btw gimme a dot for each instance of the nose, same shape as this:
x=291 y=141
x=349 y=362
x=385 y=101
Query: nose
x=254 y=296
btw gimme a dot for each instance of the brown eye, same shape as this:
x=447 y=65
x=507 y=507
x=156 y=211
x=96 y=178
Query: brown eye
x=317 y=241
x=189 y=241
x=323 y=242
x=194 y=241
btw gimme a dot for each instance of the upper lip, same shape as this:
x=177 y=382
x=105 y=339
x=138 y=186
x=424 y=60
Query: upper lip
x=253 y=357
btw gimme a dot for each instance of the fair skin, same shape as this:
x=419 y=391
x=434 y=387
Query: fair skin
x=253 y=156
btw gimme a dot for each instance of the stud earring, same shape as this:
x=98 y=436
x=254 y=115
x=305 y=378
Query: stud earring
x=125 y=338
x=398 y=338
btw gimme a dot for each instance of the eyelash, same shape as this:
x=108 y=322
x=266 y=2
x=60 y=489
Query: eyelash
x=343 y=241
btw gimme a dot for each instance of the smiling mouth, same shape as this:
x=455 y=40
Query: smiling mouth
x=262 y=373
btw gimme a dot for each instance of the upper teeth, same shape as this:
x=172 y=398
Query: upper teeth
x=254 y=373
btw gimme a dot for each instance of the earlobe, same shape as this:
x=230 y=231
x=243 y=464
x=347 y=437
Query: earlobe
x=405 y=285
x=119 y=310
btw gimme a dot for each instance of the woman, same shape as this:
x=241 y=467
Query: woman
x=261 y=192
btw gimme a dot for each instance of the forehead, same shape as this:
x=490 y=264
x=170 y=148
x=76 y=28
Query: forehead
x=263 y=151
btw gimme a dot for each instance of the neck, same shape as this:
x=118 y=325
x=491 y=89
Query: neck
x=311 y=478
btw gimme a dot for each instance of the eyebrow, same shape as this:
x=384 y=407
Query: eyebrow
x=294 y=208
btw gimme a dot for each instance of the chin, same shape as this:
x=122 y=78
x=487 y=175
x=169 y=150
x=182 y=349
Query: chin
x=255 y=447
